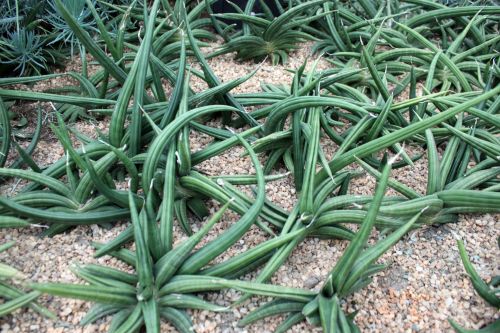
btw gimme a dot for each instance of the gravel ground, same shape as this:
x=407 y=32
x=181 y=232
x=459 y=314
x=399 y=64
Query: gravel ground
x=424 y=285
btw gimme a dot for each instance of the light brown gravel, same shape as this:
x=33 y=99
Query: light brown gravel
x=424 y=285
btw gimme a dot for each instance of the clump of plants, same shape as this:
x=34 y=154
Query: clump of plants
x=396 y=79
x=267 y=36
x=34 y=37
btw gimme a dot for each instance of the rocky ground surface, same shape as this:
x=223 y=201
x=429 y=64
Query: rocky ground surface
x=424 y=285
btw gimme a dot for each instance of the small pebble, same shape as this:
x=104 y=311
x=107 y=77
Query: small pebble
x=311 y=282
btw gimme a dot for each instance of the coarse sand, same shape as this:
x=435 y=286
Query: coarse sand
x=424 y=285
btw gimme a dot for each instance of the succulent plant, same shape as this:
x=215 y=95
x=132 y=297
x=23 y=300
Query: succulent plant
x=396 y=78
